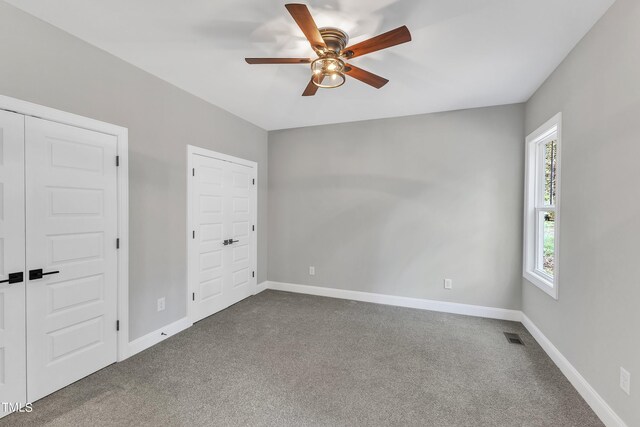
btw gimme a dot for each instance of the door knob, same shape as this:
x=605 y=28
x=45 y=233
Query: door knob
x=14 y=278
x=231 y=241
x=38 y=274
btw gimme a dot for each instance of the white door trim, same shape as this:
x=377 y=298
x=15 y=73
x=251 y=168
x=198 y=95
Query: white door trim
x=122 y=134
x=191 y=150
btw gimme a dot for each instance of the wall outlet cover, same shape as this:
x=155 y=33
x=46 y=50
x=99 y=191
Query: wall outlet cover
x=161 y=304
x=312 y=270
x=448 y=284
x=625 y=380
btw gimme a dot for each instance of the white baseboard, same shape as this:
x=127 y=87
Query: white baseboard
x=423 y=304
x=262 y=286
x=588 y=393
x=153 y=338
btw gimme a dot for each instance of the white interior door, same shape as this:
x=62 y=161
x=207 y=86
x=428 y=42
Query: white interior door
x=71 y=189
x=222 y=248
x=210 y=217
x=242 y=210
x=12 y=255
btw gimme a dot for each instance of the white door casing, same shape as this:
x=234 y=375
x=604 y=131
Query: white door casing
x=72 y=227
x=12 y=253
x=222 y=207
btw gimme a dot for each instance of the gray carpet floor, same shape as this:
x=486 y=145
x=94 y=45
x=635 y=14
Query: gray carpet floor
x=282 y=359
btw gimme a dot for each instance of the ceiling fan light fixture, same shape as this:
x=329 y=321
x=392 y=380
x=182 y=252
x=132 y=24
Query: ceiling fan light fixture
x=331 y=46
x=329 y=81
x=328 y=72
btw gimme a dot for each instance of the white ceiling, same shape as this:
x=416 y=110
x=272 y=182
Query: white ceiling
x=464 y=53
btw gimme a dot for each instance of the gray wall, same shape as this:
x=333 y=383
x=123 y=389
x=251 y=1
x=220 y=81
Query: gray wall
x=47 y=66
x=596 y=321
x=395 y=206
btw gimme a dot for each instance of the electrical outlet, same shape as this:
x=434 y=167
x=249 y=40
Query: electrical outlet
x=312 y=270
x=161 y=304
x=448 y=284
x=625 y=380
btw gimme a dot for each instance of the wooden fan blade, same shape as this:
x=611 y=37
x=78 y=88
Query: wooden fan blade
x=365 y=76
x=383 y=41
x=277 y=60
x=311 y=89
x=305 y=21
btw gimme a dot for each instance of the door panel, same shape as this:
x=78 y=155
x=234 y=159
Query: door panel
x=241 y=192
x=209 y=211
x=12 y=252
x=222 y=208
x=208 y=208
x=71 y=229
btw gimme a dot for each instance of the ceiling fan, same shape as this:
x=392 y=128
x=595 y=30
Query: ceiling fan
x=329 y=69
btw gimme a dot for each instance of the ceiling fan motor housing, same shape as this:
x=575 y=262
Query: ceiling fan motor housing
x=335 y=39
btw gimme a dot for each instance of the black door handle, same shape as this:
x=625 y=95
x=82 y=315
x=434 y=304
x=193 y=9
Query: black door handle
x=231 y=241
x=14 y=278
x=38 y=274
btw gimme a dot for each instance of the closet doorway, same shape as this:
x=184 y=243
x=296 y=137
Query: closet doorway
x=222 y=234
x=62 y=249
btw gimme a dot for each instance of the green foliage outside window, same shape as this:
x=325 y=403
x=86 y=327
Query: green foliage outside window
x=550 y=200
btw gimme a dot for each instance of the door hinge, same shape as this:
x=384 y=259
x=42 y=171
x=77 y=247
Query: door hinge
x=253 y=228
x=253 y=274
x=117 y=160
x=193 y=296
x=118 y=243
x=254 y=181
x=193 y=172
x=194 y=234
x=117 y=325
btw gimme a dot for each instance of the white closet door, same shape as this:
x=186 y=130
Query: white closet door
x=240 y=252
x=71 y=237
x=211 y=222
x=223 y=209
x=12 y=295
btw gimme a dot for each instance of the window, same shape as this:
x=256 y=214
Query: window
x=542 y=198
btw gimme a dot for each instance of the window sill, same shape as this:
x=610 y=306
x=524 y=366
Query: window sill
x=541 y=282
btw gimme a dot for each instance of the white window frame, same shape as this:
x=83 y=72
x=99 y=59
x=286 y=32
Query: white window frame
x=533 y=200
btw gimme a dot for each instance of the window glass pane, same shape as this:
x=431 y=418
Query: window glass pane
x=550 y=162
x=549 y=242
